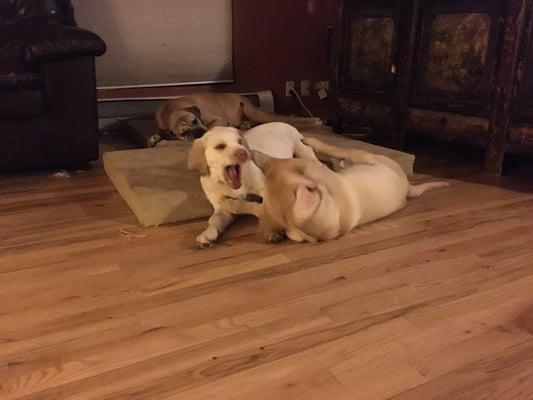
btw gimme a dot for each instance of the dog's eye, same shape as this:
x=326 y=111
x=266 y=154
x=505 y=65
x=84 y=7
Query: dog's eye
x=194 y=121
x=240 y=141
x=220 y=146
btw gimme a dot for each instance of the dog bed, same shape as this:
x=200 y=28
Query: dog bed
x=157 y=186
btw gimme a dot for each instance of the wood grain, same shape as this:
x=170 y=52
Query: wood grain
x=435 y=302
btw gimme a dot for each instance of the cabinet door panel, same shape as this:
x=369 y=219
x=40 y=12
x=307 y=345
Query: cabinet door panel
x=371 y=53
x=457 y=53
x=523 y=108
x=372 y=33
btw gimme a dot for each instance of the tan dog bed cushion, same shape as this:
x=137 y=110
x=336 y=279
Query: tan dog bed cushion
x=157 y=186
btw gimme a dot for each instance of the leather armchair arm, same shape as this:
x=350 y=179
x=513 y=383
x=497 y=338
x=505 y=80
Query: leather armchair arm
x=55 y=42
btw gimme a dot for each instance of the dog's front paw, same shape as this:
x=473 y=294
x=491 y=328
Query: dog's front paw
x=207 y=238
x=154 y=139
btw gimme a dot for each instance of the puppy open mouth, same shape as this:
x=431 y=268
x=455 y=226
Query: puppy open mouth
x=232 y=176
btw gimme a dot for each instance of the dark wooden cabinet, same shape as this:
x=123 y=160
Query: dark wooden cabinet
x=523 y=102
x=372 y=40
x=458 y=69
x=521 y=127
x=371 y=49
x=456 y=56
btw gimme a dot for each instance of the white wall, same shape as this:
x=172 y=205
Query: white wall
x=160 y=42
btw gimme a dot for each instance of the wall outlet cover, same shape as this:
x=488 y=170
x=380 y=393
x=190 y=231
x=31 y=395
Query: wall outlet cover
x=304 y=88
x=288 y=86
x=322 y=85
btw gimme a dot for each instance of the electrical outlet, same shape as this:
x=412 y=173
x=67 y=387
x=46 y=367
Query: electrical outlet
x=288 y=86
x=322 y=85
x=304 y=88
x=322 y=88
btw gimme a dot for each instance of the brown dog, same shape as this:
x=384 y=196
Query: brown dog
x=192 y=116
x=309 y=202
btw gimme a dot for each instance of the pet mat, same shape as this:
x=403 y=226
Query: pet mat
x=157 y=186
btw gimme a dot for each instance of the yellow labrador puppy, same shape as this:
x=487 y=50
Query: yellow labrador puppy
x=309 y=202
x=222 y=157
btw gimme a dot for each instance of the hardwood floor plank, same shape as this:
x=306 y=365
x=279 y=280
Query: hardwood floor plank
x=447 y=386
x=381 y=382
x=433 y=302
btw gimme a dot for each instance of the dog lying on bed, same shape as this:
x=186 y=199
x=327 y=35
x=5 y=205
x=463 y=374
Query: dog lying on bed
x=306 y=201
x=191 y=116
x=222 y=157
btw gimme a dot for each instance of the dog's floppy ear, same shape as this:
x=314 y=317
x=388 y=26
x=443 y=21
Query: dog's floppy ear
x=261 y=159
x=194 y=110
x=197 y=161
x=307 y=201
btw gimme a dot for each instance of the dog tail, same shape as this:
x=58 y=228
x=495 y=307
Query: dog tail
x=418 y=190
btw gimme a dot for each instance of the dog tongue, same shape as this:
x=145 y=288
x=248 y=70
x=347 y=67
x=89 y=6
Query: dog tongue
x=234 y=179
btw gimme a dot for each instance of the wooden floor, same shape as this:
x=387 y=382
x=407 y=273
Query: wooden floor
x=435 y=302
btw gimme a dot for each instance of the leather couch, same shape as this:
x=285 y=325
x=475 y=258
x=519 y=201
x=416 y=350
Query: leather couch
x=48 y=109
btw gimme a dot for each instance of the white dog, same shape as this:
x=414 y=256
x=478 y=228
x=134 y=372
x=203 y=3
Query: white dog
x=306 y=201
x=222 y=157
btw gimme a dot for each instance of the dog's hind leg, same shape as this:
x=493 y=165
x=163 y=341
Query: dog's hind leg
x=355 y=156
x=301 y=150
